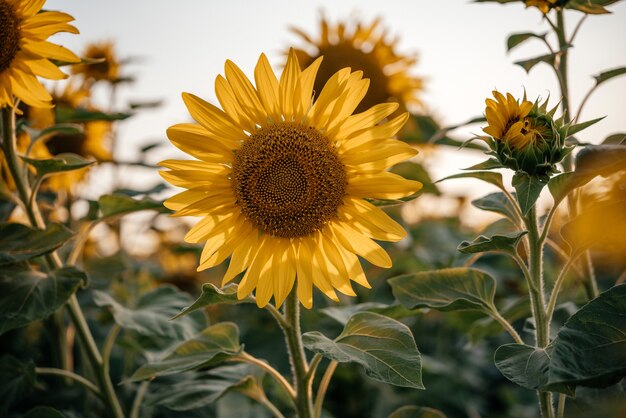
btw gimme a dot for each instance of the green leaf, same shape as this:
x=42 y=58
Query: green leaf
x=115 y=204
x=18 y=379
x=152 y=313
x=58 y=164
x=574 y=129
x=58 y=129
x=496 y=202
x=416 y=412
x=615 y=139
x=528 y=64
x=80 y=115
x=29 y=295
x=518 y=38
x=594 y=7
x=607 y=75
x=212 y=295
x=522 y=364
x=490 y=164
x=590 y=349
x=446 y=290
x=505 y=243
x=487 y=176
x=383 y=346
x=204 y=388
x=19 y=242
x=528 y=189
x=211 y=346
x=43 y=412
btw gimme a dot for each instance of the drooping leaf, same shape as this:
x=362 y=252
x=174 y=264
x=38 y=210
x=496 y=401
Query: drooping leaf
x=487 y=176
x=152 y=313
x=522 y=364
x=204 y=388
x=416 y=412
x=43 y=412
x=590 y=349
x=383 y=346
x=505 y=243
x=574 y=129
x=496 y=202
x=58 y=164
x=528 y=64
x=17 y=378
x=27 y=295
x=19 y=242
x=115 y=204
x=528 y=188
x=212 y=295
x=519 y=38
x=446 y=289
x=211 y=346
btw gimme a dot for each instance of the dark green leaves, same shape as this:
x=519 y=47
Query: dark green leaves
x=26 y=296
x=505 y=243
x=59 y=163
x=518 y=38
x=212 y=295
x=528 y=189
x=590 y=349
x=383 y=346
x=152 y=313
x=113 y=205
x=446 y=289
x=215 y=343
x=525 y=365
x=20 y=243
x=17 y=380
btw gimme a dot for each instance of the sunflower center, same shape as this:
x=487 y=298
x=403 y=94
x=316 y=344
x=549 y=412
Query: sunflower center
x=66 y=143
x=338 y=56
x=288 y=180
x=9 y=35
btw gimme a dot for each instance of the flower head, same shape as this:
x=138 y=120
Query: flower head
x=280 y=181
x=107 y=70
x=363 y=47
x=25 y=53
x=545 y=5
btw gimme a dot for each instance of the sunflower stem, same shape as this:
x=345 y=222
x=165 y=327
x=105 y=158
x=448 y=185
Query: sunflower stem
x=299 y=365
x=36 y=220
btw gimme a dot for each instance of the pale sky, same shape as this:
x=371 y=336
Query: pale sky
x=183 y=45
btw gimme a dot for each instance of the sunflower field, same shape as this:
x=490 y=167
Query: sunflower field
x=359 y=209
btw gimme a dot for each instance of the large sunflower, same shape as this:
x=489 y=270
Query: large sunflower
x=363 y=47
x=281 y=181
x=25 y=53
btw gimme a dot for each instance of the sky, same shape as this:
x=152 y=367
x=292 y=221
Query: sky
x=182 y=46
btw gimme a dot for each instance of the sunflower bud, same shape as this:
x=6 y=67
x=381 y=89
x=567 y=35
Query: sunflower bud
x=546 y=5
x=524 y=136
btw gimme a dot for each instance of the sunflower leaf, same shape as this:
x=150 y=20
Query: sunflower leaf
x=58 y=164
x=549 y=59
x=505 y=243
x=519 y=38
x=211 y=346
x=19 y=242
x=118 y=204
x=490 y=164
x=17 y=378
x=607 y=75
x=212 y=295
x=528 y=189
x=496 y=202
x=487 y=176
x=446 y=289
x=522 y=364
x=383 y=346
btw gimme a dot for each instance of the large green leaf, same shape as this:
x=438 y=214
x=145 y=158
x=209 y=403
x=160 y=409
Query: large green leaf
x=342 y=314
x=213 y=295
x=528 y=188
x=590 y=349
x=204 y=388
x=58 y=164
x=28 y=295
x=211 y=346
x=118 y=204
x=446 y=290
x=416 y=412
x=19 y=242
x=522 y=364
x=17 y=378
x=152 y=313
x=383 y=346
x=504 y=243
x=496 y=202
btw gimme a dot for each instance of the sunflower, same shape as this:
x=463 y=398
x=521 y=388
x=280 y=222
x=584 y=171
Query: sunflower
x=363 y=47
x=545 y=5
x=281 y=181
x=107 y=70
x=25 y=53
x=509 y=121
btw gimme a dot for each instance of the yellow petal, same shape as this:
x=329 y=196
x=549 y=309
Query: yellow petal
x=212 y=118
x=242 y=256
x=382 y=186
x=267 y=86
x=245 y=93
x=289 y=87
x=361 y=245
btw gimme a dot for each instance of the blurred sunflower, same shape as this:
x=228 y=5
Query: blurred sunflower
x=281 y=180
x=25 y=53
x=363 y=47
x=545 y=5
x=107 y=70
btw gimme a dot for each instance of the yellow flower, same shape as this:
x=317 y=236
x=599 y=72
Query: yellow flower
x=281 y=181
x=509 y=121
x=363 y=47
x=108 y=70
x=544 y=5
x=25 y=53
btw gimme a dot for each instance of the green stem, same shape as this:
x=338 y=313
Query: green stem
x=297 y=357
x=36 y=220
x=69 y=375
x=506 y=325
x=247 y=358
x=141 y=393
x=560 y=412
x=321 y=390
